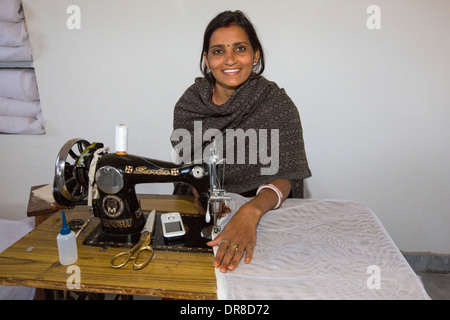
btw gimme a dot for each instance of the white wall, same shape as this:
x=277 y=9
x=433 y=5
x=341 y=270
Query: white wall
x=375 y=104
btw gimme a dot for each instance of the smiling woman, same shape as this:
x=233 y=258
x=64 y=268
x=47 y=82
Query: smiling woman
x=230 y=58
x=231 y=53
x=233 y=95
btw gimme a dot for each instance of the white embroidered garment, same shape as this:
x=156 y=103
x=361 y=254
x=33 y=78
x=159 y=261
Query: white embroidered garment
x=11 y=11
x=12 y=34
x=20 y=53
x=21 y=125
x=19 y=108
x=19 y=84
x=320 y=249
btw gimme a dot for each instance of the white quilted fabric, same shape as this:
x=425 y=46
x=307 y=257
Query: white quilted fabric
x=321 y=249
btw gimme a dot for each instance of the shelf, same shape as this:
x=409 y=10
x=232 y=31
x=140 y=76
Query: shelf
x=16 y=65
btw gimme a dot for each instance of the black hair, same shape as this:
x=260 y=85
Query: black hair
x=227 y=18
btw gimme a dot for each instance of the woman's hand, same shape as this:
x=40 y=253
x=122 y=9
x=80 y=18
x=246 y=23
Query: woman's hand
x=238 y=237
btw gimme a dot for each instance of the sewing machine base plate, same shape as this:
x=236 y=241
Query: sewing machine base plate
x=191 y=242
x=98 y=238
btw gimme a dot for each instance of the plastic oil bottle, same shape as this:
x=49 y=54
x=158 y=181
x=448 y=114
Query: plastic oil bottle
x=67 y=243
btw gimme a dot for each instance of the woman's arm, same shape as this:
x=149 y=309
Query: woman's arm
x=239 y=235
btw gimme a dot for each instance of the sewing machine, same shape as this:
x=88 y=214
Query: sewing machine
x=107 y=180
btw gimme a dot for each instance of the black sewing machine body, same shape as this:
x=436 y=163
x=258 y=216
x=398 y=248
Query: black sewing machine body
x=114 y=177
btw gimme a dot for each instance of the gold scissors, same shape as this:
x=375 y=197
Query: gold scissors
x=142 y=247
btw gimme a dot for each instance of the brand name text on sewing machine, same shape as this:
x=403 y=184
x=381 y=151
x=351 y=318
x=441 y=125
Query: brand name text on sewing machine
x=241 y=147
x=159 y=172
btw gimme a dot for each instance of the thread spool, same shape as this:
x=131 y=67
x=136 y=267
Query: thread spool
x=121 y=139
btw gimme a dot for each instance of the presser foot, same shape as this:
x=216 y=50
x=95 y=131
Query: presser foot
x=207 y=232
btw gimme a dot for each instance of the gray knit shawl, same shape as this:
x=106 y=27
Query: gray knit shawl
x=256 y=104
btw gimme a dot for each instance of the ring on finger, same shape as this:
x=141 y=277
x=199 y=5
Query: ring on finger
x=236 y=247
x=228 y=244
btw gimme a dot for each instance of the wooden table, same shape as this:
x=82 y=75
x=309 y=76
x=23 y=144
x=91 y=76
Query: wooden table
x=33 y=261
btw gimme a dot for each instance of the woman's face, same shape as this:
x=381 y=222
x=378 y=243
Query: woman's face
x=230 y=57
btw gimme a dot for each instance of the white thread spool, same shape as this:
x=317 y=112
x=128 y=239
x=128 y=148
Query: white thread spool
x=121 y=139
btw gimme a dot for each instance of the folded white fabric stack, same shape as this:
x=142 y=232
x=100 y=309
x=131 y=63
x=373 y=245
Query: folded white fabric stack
x=14 y=43
x=20 y=108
